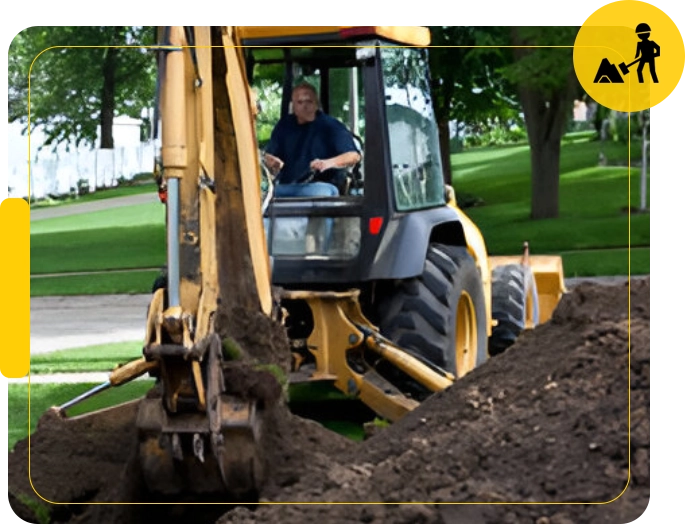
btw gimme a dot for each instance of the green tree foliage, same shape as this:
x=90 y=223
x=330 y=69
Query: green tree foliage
x=267 y=85
x=467 y=83
x=269 y=109
x=80 y=78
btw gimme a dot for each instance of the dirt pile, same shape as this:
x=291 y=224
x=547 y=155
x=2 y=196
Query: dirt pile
x=546 y=422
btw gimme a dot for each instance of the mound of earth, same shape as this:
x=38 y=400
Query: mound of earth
x=545 y=423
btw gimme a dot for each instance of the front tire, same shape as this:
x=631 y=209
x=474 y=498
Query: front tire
x=439 y=316
x=514 y=305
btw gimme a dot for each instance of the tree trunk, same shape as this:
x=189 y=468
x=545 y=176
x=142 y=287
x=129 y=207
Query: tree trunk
x=545 y=180
x=444 y=144
x=544 y=144
x=545 y=118
x=109 y=70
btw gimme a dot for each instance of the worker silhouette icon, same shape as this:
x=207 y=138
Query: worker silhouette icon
x=646 y=53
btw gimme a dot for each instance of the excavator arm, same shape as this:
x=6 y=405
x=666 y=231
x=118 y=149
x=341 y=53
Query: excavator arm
x=194 y=436
x=211 y=168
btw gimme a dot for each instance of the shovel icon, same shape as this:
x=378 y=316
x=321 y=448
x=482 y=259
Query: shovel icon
x=625 y=68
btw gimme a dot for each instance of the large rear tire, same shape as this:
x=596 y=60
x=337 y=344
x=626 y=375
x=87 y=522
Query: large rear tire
x=514 y=305
x=439 y=316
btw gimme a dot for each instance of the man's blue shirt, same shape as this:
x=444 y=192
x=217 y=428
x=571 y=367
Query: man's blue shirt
x=298 y=144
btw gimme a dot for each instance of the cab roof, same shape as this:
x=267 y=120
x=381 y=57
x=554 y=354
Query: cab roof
x=310 y=35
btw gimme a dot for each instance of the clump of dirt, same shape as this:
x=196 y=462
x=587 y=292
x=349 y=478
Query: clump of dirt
x=545 y=422
x=263 y=339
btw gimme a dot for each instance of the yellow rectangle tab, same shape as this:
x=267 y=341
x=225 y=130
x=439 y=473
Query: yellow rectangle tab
x=15 y=297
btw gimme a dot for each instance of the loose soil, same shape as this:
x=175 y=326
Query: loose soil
x=544 y=425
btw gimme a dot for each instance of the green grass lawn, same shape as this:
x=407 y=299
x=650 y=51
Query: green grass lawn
x=113 y=239
x=607 y=262
x=120 y=238
x=136 y=215
x=593 y=230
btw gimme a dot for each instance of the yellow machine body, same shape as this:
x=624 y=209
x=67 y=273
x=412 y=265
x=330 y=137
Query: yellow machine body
x=217 y=251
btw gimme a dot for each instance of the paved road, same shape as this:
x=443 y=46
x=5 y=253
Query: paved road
x=71 y=322
x=89 y=207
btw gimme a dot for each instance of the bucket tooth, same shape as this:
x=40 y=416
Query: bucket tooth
x=199 y=447
x=177 y=451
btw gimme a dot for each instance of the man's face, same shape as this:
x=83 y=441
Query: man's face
x=304 y=105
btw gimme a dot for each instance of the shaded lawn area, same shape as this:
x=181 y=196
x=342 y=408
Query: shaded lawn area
x=98 y=249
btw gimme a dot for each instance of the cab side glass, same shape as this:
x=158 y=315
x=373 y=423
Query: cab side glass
x=412 y=130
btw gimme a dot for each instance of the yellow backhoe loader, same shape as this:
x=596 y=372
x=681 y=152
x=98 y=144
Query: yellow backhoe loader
x=386 y=291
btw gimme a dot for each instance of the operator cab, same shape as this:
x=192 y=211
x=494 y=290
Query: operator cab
x=378 y=87
x=336 y=79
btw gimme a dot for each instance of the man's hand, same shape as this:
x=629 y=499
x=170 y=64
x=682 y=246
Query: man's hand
x=322 y=165
x=273 y=163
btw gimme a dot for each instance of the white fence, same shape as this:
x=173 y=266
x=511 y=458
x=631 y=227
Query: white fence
x=59 y=171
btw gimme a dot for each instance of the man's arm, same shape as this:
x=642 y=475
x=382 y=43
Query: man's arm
x=344 y=160
x=341 y=143
x=272 y=151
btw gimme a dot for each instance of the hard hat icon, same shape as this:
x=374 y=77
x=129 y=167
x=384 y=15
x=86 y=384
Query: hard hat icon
x=643 y=28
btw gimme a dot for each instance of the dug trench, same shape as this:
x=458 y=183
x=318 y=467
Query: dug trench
x=540 y=434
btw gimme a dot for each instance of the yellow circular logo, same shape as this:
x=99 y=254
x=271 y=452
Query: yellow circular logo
x=629 y=56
